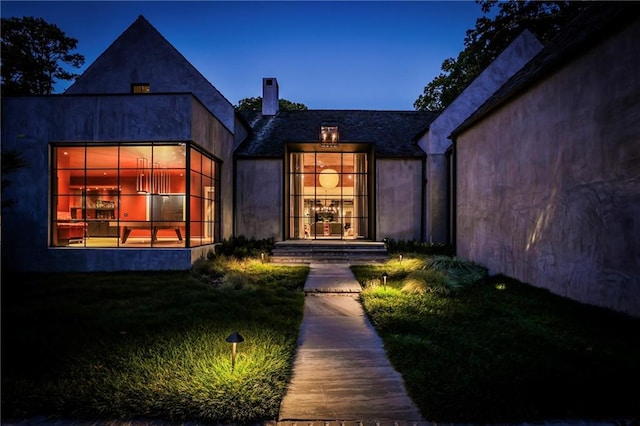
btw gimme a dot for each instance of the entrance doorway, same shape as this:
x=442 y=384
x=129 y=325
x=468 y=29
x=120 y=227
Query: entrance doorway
x=328 y=195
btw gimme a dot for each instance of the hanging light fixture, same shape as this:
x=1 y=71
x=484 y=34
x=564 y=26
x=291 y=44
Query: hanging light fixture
x=142 y=176
x=329 y=135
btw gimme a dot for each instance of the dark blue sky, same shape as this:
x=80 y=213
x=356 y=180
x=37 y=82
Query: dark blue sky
x=333 y=55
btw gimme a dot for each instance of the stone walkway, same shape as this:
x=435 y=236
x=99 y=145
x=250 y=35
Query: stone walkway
x=341 y=372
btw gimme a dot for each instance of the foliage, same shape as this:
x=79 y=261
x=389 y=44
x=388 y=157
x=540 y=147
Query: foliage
x=255 y=104
x=145 y=346
x=417 y=247
x=242 y=247
x=424 y=281
x=504 y=352
x=459 y=272
x=12 y=161
x=33 y=54
x=489 y=38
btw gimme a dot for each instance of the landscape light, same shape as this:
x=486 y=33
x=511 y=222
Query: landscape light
x=234 y=338
x=262 y=257
x=384 y=279
x=400 y=258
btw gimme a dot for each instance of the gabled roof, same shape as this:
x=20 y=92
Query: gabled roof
x=392 y=132
x=142 y=55
x=597 y=21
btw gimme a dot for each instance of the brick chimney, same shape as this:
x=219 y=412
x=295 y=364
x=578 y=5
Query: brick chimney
x=270 y=96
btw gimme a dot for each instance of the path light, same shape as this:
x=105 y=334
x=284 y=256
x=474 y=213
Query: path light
x=234 y=338
x=262 y=257
x=400 y=258
x=384 y=279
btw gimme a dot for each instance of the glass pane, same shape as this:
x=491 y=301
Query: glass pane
x=102 y=157
x=196 y=160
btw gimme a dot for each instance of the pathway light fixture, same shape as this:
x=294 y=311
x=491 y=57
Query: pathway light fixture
x=234 y=338
x=384 y=279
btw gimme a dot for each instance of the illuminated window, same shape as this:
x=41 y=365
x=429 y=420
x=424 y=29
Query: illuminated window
x=140 y=88
x=134 y=196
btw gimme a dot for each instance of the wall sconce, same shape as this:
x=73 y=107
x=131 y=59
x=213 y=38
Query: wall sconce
x=384 y=279
x=142 y=175
x=234 y=338
x=329 y=135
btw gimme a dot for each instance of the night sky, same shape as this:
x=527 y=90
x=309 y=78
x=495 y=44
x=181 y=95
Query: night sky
x=326 y=55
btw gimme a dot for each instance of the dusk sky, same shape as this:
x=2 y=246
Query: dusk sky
x=327 y=55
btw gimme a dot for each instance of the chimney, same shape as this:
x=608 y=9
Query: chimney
x=270 y=96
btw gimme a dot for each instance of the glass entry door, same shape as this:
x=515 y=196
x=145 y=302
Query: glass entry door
x=328 y=195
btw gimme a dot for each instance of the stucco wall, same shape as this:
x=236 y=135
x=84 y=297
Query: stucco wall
x=213 y=136
x=436 y=140
x=399 y=198
x=142 y=55
x=30 y=123
x=259 y=192
x=548 y=186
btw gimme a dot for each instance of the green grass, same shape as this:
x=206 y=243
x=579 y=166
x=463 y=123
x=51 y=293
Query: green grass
x=503 y=351
x=151 y=345
x=129 y=346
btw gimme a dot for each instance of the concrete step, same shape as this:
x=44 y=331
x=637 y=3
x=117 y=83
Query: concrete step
x=328 y=251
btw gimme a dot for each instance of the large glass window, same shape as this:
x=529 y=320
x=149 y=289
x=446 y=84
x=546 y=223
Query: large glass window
x=328 y=195
x=132 y=196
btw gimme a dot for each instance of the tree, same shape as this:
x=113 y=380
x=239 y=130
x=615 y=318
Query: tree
x=33 y=52
x=255 y=104
x=489 y=38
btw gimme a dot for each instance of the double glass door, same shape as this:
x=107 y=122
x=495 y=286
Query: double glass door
x=328 y=195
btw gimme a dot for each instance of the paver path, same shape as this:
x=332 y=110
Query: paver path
x=341 y=372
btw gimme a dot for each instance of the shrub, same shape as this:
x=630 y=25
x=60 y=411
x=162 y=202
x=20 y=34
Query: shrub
x=424 y=281
x=459 y=272
x=402 y=246
x=242 y=247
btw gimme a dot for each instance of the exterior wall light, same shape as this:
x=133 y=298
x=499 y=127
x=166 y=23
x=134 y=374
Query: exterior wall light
x=329 y=135
x=234 y=338
x=384 y=279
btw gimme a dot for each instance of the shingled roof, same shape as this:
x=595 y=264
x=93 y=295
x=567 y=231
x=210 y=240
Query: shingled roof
x=593 y=24
x=392 y=132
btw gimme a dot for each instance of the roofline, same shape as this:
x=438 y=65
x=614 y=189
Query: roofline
x=506 y=93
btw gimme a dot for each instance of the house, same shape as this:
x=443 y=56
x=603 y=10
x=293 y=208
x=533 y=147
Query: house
x=547 y=170
x=149 y=165
x=142 y=164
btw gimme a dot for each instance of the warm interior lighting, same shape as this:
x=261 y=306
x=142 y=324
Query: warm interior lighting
x=161 y=180
x=142 y=176
x=329 y=178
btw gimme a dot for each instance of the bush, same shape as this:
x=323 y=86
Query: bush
x=427 y=281
x=402 y=246
x=459 y=272
x=242 y=247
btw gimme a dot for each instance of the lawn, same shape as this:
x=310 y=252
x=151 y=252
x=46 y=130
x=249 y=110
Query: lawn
x=151 y=345
x=142 y=346
x=502 y=351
